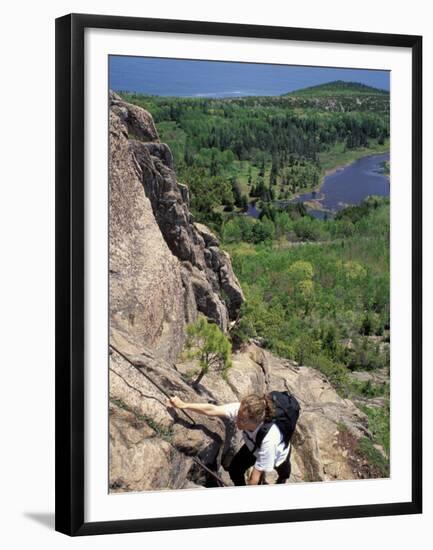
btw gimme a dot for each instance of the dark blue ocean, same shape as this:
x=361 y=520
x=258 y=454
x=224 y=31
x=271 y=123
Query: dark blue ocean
x=187 y=78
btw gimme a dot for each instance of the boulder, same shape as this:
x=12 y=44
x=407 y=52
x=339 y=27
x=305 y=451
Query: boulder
x=138 y=121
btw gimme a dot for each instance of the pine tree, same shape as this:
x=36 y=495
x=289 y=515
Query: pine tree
x=207 y=343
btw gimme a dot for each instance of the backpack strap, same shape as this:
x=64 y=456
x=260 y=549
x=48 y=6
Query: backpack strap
x=260 y=435
x=251 y=440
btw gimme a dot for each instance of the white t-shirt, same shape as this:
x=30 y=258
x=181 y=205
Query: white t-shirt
x=271 y=452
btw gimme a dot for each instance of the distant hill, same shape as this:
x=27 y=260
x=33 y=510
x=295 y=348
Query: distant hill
x=338 y=87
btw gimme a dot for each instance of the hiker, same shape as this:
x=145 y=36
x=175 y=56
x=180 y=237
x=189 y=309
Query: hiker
x=267 y=423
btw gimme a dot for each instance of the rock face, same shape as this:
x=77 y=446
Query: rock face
x=148 y=302
x=152 y=445
x=326 y=424
x=164 y=269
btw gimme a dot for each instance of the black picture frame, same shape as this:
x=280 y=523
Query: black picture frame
x=70 y=283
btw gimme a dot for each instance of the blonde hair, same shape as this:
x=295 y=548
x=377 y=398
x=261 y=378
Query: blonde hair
x=257 y=408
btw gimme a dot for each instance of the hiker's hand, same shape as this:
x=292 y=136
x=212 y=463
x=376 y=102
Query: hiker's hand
x=177 y=402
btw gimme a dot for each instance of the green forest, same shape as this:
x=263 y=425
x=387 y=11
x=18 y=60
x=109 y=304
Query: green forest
x=317 y=291
x=232 y=151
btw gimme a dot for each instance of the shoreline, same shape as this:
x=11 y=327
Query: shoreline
x=330 y=171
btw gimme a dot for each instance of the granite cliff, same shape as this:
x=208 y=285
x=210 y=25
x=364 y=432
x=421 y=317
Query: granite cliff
x=164 y=268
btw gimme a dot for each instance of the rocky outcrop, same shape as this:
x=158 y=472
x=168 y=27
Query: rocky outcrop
x=327 y=423
x=152 y=445
x=137 y=122
x=148 y=302
x=163 y=267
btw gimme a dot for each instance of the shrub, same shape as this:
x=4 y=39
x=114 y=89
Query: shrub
x=379 y=424
x=373 y=456
x=207 y=343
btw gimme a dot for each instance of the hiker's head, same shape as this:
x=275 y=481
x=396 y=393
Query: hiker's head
x=253 y=410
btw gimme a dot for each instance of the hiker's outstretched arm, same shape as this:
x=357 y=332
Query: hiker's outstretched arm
x=202 y=408
x=255 y=477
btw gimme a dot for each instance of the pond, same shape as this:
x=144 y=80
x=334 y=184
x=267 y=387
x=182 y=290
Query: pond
x=345 y=186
